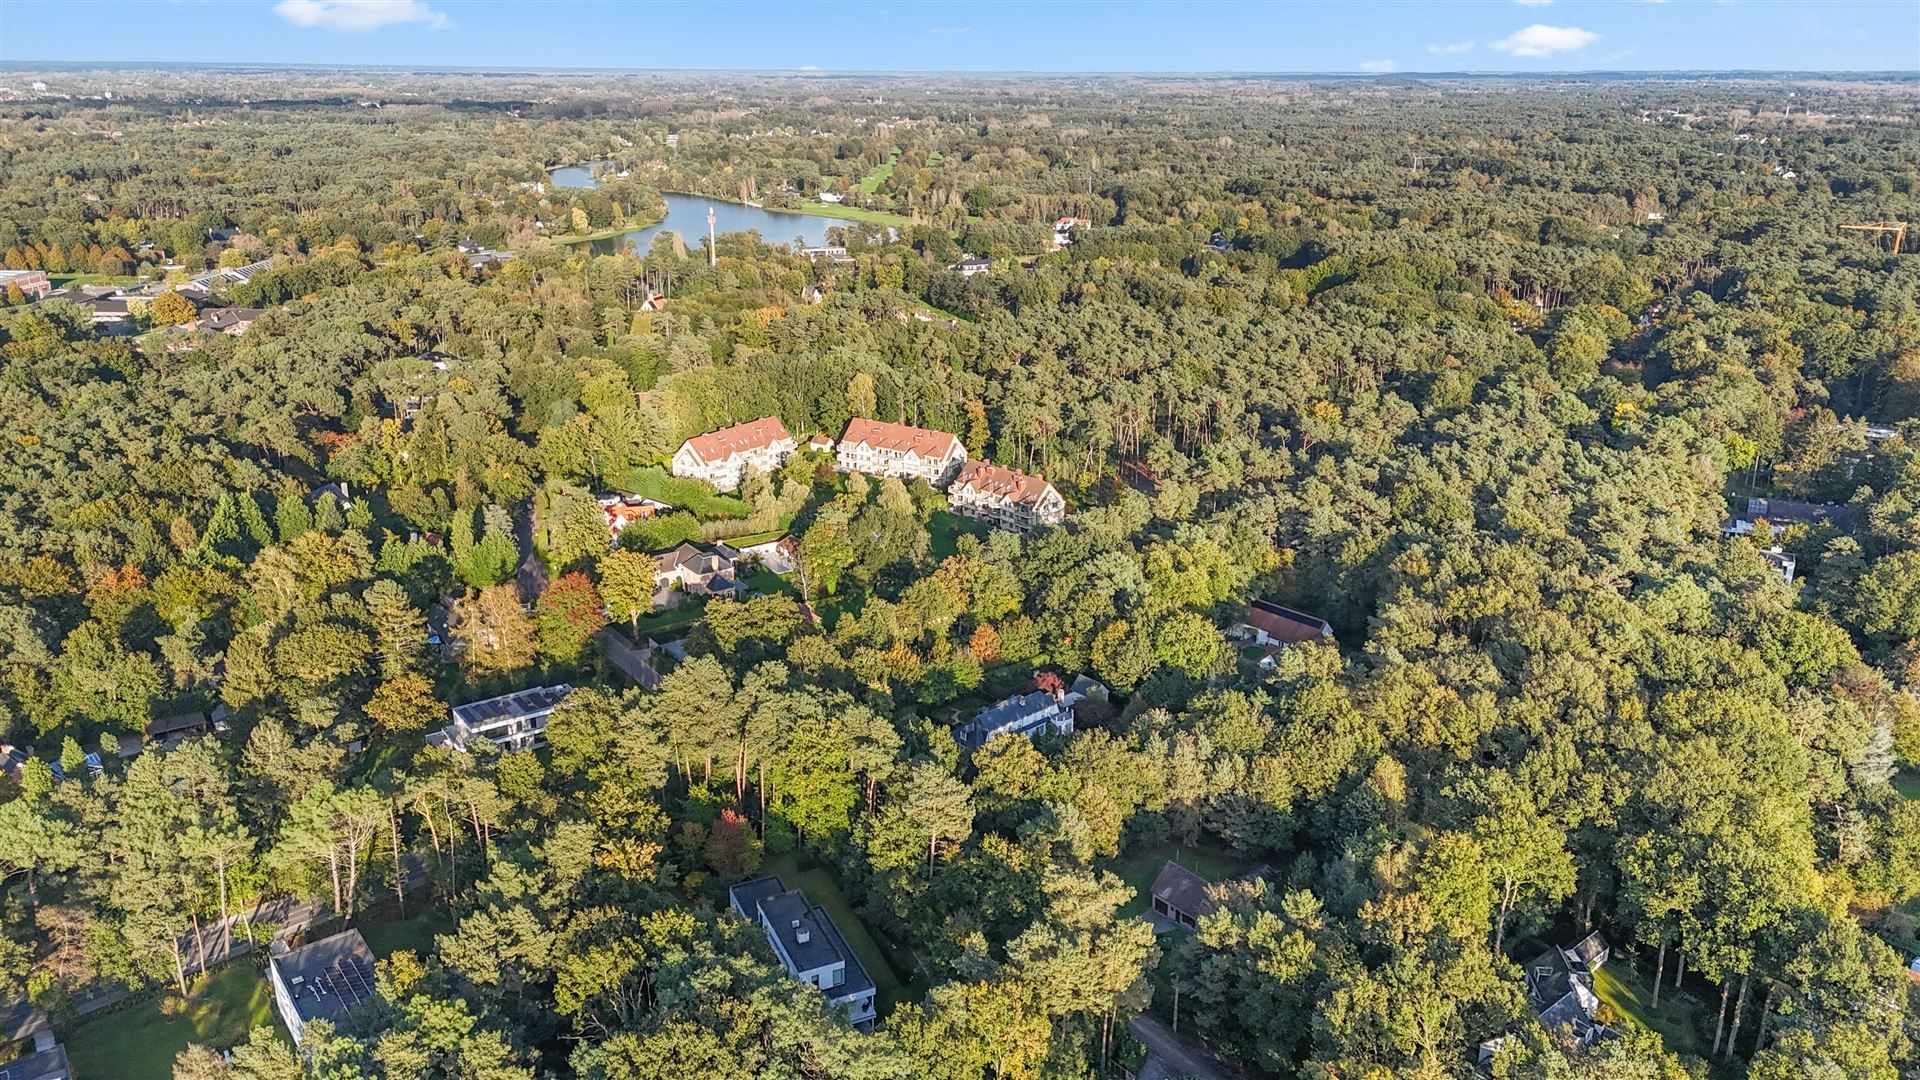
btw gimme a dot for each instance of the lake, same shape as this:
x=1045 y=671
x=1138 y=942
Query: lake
x=687 y=215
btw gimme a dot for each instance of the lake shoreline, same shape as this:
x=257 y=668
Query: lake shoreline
x=839 y=214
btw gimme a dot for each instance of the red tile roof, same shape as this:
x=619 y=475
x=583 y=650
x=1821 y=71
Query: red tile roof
x=900 y=438
x=991 y=479
x=1286 y=624
x=720 y=445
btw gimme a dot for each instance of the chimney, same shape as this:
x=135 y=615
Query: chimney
x=801 y=934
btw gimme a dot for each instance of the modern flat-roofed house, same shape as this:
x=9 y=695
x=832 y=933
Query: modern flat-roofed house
x=1043 y=711
x=321 y=981
x=516 y=721
x=722 y=458
x=1008 y=498
x=909 y=453
x=808 y=944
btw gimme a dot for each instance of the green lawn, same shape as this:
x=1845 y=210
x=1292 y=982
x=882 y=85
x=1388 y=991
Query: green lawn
x=1630 y=993
x=822 y=889
x=764 y=582
x=871 y=183
x=1908 y=784
x=1139 y=866
x=946 y=528
x=653 y=482
x=138 y=1043
x=850 y=213
x=667 y=622
x=416 y=933
x=68 y=281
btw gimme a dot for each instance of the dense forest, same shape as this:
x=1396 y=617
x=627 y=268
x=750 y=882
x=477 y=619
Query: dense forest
x=1478 y=370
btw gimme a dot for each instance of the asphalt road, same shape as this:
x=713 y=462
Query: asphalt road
x=1173 y=1057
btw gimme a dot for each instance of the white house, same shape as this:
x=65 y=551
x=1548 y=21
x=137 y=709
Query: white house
x=883 y=449
x=1038 y=713
x=516 y=721
x=971 y=265
x=722 y=458
x=808 y=944
x=1006 y=497
x=321 y=981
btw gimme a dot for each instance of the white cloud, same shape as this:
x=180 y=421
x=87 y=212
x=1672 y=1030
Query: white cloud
x=1454 y=48
x=1378 y=67
x=1542 y=40
x=357 y=15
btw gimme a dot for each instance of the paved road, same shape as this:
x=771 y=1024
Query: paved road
x=1167 y=1056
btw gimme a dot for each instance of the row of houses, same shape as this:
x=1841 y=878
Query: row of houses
x=1005 y=497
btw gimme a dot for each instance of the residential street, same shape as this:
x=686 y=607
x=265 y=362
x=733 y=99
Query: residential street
x=1169 y=1057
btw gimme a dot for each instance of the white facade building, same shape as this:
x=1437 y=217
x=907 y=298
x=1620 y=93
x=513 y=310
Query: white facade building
x=722 y=458
x=908 y=453
x=516 y=721
x=1008 y=498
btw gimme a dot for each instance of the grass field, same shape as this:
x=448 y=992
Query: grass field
x=652 y=481
x=1630 y=993
x=138 y=1043
x=872 y=181
x=416 y=933
x=667 y=623
x=822 y=889
x=1141 y=865
x=946 y=528
x=850 y=213
x=68 y=281
x=1908 y=784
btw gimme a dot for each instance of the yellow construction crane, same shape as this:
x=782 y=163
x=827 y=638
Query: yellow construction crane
x=1897 y=229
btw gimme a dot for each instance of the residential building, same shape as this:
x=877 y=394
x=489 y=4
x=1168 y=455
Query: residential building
x=1274 y=627
x=34 y=283
x=1783 y=561
x=696 y=570
x=1180 y=896
x=1560 y=983
x=623 y=510
x=106 y=310
x=1006 y=497
x=177 y=728
x=228 y=320
x=516 y=721
x=27 y=1037
x=321 y=981
x=832 y=198
x=813 y=293
x=971 y=265
x=820 y=443
x=1793 y=512
x=1046 y=710
x=909 y=453
x=722 y=457
x=1065 y=228
x=48 y=1064
x=780 y=556
x=808 y=944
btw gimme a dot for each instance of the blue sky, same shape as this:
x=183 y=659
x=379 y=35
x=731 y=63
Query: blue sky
x=1491 y=35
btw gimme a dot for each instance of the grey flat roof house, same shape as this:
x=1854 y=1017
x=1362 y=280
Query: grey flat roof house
x=516 y=721
x=808 y=944
x=321 y=981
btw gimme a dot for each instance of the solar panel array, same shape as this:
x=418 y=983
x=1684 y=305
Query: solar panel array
x=351 y=979
x=478 y=713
